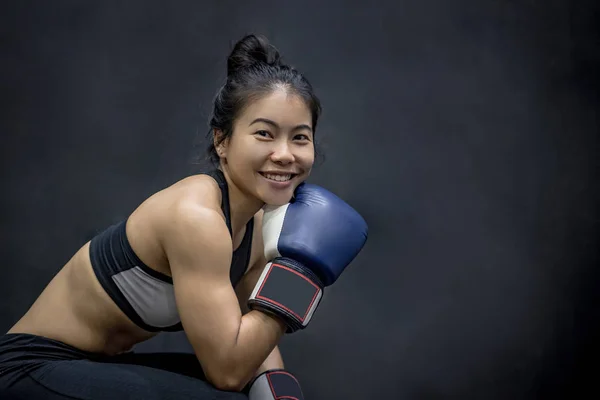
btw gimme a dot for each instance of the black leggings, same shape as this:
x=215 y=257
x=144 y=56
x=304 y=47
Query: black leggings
x=34 y=367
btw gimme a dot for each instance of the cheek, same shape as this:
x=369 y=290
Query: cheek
x=306 y=157
x=245 y=154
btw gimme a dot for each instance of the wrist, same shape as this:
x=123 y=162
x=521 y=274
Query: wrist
x=273 y=361
x=275 y=322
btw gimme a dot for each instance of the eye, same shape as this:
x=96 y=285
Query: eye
x=263 y=133
x=302 y=138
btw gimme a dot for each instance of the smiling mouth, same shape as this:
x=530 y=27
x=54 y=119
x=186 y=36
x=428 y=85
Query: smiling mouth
x=278 y=177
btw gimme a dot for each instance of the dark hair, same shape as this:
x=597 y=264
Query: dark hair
x=255 y=69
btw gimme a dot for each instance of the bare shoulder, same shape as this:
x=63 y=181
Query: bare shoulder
x=202 y=190
x=197 y=191
x=191 y=223
x=190 y=204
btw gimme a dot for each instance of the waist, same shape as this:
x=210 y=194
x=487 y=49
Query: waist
x=22 y=353
x=75 y=310
x=20 y=347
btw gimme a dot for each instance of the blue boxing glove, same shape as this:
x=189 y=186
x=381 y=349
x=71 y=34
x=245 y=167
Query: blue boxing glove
x=308 y=244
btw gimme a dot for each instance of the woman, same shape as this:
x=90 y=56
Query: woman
x=187 y=258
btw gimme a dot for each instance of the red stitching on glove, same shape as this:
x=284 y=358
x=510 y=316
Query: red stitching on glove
x=273 y=390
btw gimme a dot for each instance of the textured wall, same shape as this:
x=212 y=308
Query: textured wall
x=464 y=132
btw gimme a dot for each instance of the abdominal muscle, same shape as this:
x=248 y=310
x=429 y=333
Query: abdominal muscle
x=75 y=309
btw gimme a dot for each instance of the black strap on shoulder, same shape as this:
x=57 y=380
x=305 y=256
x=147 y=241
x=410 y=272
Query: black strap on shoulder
x=218 y=176
x=241 y=256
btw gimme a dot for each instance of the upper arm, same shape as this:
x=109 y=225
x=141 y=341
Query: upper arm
x=199 y=251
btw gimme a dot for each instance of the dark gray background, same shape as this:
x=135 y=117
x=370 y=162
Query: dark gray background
x=464 y=132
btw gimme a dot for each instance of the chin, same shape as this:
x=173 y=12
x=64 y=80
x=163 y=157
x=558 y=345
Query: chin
x=277 y=199
x=276 y=202
x=276 y=196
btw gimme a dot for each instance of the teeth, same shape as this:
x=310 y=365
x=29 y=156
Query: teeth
x=278 y=178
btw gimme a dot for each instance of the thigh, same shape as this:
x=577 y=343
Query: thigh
x=180 y=363
x=90 y=380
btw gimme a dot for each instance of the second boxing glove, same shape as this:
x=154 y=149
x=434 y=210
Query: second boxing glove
x=308 y=243
x=275 y=384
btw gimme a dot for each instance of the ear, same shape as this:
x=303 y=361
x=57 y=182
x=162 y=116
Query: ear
x=220 y=145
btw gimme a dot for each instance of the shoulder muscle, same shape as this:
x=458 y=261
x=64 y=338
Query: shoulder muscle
x=196 y=237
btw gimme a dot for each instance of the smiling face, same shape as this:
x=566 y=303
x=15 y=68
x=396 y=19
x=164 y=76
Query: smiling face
x=271 y=149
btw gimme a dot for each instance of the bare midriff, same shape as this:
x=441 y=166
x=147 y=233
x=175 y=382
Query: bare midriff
x=75 y=309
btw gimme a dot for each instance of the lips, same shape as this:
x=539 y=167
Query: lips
x=278 y=176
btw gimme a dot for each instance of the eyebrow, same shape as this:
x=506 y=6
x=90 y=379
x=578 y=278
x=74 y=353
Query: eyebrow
x=274 y=124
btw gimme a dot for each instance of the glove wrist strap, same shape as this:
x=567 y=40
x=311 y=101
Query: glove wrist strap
x=275 y=384
x=288 y=290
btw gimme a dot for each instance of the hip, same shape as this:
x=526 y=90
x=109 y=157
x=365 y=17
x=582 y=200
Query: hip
x=22 y=353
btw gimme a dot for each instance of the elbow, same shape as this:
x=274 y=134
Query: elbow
x=228 y=383
x=227 y=379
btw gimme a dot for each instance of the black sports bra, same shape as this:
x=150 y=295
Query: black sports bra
x=147 y=296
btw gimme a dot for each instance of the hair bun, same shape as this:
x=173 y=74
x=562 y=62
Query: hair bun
x=250 y=50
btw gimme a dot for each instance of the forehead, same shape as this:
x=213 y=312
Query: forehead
x=279 y=106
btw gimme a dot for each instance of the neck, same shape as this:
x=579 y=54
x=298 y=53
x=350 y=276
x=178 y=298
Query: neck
x=242 y=206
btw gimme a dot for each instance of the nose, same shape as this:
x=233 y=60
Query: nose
x=282 y=153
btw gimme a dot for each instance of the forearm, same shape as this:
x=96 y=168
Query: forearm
x=273 y=361
x=255 y=345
